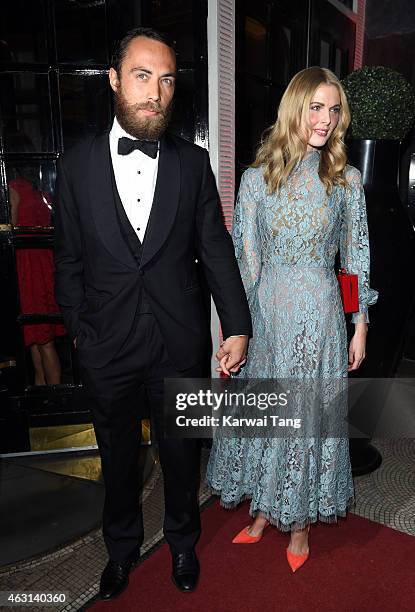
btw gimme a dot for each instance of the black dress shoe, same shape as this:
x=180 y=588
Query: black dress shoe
x=114 y=578
x=185 y=571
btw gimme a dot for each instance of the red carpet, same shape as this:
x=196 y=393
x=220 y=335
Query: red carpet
x=354 y=566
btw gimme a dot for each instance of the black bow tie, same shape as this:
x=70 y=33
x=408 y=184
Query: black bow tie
x=149 y=147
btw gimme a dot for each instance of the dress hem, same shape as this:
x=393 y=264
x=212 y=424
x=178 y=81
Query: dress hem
x=276 y=522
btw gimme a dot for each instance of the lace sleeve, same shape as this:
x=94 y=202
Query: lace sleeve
x=245 y=235
x=354 y=243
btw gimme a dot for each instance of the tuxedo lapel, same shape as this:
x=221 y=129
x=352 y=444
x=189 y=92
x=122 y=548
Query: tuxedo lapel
x=101 y=197
x=165 y=202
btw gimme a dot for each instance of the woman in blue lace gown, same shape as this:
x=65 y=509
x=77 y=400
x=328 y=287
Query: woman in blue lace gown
x=297 y=206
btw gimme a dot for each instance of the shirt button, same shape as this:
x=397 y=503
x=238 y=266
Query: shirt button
x=138 y=229
x=138 y=200
x=138 y=171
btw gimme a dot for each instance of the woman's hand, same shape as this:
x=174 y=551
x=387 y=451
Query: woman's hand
x=232 y=354
x=357 y=348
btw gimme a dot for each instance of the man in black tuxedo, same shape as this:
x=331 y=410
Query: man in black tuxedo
x=136 y=209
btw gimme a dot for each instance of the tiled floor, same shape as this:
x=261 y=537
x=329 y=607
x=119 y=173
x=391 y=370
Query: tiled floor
x=75 y=569
x=386 y=496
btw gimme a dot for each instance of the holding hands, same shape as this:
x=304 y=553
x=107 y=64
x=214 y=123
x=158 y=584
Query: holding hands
x=232 y=354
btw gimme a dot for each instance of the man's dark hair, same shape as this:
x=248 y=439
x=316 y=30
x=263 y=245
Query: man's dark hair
x=122 y=46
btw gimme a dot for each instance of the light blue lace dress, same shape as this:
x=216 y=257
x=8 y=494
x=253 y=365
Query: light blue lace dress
x=286 y=246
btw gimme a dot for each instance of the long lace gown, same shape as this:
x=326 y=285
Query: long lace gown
x=286 y=246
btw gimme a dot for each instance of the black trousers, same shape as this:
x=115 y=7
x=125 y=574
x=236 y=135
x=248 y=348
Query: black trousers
x=113 y=392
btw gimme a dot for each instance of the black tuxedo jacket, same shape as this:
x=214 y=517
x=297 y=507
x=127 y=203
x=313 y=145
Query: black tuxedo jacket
x=97 y=278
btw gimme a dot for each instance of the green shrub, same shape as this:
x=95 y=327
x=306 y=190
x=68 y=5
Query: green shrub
x=382 y=103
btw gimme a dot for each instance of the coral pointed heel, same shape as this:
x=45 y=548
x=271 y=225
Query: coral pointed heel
x=244 y=537
x=296 y=561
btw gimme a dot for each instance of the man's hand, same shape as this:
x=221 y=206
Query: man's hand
x=232 y=354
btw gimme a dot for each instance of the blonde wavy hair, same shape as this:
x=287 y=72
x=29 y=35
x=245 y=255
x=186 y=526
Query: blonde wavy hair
x=285 y=143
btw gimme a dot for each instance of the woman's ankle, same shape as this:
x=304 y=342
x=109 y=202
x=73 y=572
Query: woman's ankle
x=299 y=541
x=261 y=519
x=259 y=524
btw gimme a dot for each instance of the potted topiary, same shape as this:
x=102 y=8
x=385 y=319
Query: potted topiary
x=382 y=105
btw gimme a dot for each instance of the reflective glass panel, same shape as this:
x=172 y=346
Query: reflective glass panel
x=85 y=105
x=177 y=19
x=338 y=63
x=281 y=60
x=184 y=114
x=348 y=3
x=251 y=117
x=23 y=31
x=324 y=54
x=26 y=112
x=81 y=31
x=255 y=47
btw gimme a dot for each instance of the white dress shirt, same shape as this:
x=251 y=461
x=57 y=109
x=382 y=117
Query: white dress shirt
x=135 y=177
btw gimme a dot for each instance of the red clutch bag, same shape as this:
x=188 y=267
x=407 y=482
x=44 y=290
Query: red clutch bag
x=348 y=291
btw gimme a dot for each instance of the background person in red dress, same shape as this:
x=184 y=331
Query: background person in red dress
x=35 y=272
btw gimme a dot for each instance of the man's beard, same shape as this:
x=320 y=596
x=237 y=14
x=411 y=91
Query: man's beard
x=143 y=128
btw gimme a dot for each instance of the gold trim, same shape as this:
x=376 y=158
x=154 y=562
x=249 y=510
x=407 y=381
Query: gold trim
x=5 y=227
x=7 y=364
x=72 y=436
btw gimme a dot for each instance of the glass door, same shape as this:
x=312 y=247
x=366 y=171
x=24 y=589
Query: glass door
x=54 y=60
